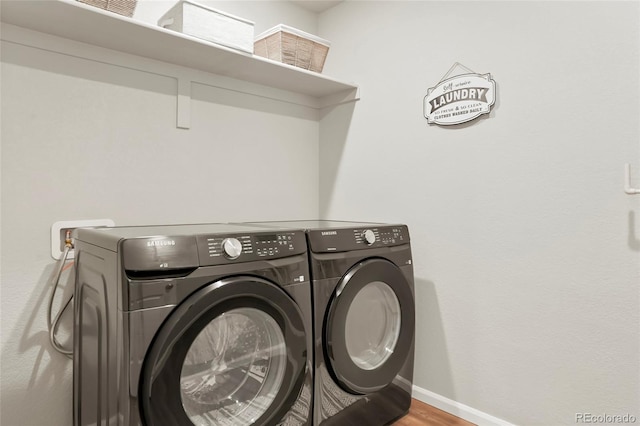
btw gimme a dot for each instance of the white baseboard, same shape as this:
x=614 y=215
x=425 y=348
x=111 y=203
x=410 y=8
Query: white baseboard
x=457 y=409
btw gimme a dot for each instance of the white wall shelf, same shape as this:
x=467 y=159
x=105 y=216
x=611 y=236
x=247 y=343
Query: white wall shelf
x=86 y=24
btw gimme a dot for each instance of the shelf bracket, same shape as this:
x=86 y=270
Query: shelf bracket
x=627 y=181
x=183 y=106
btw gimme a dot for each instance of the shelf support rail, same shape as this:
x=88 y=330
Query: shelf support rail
x=183 y=119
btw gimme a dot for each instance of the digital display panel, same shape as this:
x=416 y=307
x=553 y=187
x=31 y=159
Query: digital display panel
x=267 y=237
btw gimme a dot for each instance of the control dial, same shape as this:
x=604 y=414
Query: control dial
x=232 y=248
x=369 y=237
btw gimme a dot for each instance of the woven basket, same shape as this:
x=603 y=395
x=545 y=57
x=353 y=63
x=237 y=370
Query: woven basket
x=294 y=47
x=121 y=7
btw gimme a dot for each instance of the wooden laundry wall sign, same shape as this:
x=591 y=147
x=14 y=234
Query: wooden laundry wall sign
x=459 y=99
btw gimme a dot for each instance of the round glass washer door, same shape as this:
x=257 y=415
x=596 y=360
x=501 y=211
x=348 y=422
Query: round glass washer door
x=369 y=326
x=232 y=353
x=234 y=369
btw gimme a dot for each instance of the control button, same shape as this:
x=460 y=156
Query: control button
x=369 y=236
x=232 y=248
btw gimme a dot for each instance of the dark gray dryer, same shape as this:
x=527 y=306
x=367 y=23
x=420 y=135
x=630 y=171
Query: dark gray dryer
x=192 y=324
x=364 y=320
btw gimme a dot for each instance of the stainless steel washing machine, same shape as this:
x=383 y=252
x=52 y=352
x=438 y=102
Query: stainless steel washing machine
x=364 y=320
x=192 y=325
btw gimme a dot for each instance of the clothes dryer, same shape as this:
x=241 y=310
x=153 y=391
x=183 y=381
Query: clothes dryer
x=364 y=320
x=192 y=325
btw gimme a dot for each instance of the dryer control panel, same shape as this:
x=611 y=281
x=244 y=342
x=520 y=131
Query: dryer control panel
x=336 y=240
x=223 y=249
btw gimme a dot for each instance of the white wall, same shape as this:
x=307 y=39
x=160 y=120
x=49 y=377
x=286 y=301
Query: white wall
x=527 y=251
x=82 y=140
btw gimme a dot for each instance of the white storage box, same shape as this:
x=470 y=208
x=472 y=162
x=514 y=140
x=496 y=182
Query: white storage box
x=121 y=7
x=292 y=46
x=200 y=21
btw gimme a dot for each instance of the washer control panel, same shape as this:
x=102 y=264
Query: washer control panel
x=221 y=249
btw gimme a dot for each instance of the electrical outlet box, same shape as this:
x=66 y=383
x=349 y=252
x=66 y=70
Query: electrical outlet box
x=59 y=231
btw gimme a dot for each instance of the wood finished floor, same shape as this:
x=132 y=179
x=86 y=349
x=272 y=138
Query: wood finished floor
x=422 y=414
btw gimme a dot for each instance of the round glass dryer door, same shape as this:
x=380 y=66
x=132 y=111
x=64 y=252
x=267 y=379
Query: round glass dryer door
x=369 y=326
x=233 y=353
x=373 y=325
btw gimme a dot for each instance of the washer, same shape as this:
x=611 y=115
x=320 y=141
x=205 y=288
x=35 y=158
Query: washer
x=192 y=324
x=364 y=320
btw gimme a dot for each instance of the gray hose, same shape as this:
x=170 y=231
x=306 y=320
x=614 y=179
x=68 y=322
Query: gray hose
x=53 y=324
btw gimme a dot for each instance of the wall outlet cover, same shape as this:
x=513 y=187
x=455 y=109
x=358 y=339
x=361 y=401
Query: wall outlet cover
x=58 y=229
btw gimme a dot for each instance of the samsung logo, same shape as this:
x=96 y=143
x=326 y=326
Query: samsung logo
x=329 y=232
x=161 y=243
